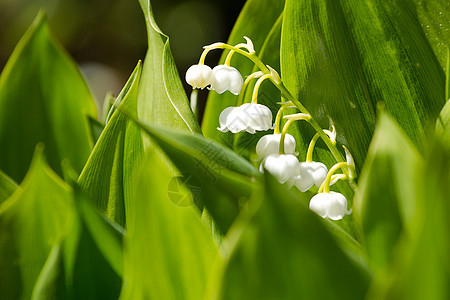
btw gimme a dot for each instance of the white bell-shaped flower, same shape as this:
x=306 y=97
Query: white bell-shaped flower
x=282 y=166
x=330 y=205
x=270 y=144
x=226 y=78
x=248 y=117
x=310 y=173
x=199 y=76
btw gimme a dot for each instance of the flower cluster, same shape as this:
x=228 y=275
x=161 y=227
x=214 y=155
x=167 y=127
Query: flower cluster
x=276 y=152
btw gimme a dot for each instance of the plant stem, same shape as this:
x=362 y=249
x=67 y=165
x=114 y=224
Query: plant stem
x=255 y=59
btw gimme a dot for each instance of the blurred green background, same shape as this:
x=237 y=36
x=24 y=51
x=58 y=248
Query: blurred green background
x=108 y=37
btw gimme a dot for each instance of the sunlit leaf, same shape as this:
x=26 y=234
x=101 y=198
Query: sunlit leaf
x=385 y=204
x=92 y=254
x=7 y=186
x=220 y=175
x=168 y=250
x=433 y=16
x=255 y=21
x=43 y=98
x=162 y=99
x=32 y=221
x=282 y=251
x=421 y=266
x=108 y=174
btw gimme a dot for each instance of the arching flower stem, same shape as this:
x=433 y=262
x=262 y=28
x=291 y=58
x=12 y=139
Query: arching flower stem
x=292 y=118
x=325 y=187
x=312 y=144
x=244 y=86
x=279 y=115
x=257 y=86
x=280 y=86
x=310 y=151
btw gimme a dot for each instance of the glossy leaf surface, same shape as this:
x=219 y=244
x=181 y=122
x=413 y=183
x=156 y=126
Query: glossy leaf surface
x=43 y=98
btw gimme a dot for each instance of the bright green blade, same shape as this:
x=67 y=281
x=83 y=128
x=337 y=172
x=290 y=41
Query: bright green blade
x=433 y=16
x=92 y=254
x=32 y=221
x=108 y=174
x=282 y=251
x=43 y=98
x=421 y=268
x=386 y=202
x=7 y=186
x=168 y=250
x=255 y=21
x=220 y=177
x=340 y=58
x=162 y=99
x=50 y=283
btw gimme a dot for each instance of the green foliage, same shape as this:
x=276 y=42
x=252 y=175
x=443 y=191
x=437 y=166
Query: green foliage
x=283 y=251
x=162 y=212
x=161 y=93
x=43 y=98
x=117 y=153
x=168 y=250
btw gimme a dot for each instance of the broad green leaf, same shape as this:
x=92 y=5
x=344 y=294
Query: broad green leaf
x=168 y=250
x=443 y=121
x=32 y=221
x=385 y=203
x=43 y=98
x=443 y=125
x=433 y=16
x=421 y=269
x=108 y=175
x=162 y=99
x=7 y=186
x=339 y=58
x=50 y=283
x=221 y=177
x=96 y=128
x=92 y=254
x=283 y=251
x=255 y=21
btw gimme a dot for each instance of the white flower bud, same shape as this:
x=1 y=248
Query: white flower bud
x=330 y=205
x=199 y=76
x=226 y=79
x=248 y=117
x=282 y=166
x=310 y=173
x=270 y=144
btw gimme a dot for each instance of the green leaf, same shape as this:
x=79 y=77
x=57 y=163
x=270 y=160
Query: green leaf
x=255 y=21
x=50 y=283
x=92 y=254
x=32 y=221
x=283 y=251
x=340 y=58
x=108 y=175
x=443 y=125
x=433 y=17
x=162 y=99
x=385 y=204
x=7 y=186
x=220 y=175
x=168 y=250
x=443 y=121
x=421 y=268
x=43 y=98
